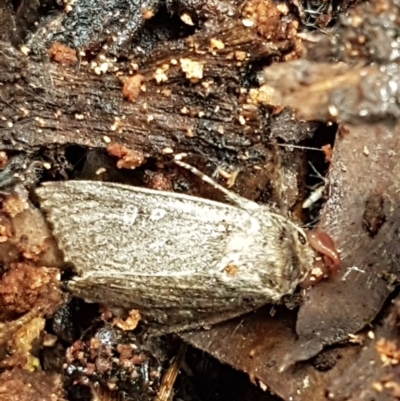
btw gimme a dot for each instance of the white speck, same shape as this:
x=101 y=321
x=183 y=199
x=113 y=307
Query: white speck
x=167 y=151
x=248 y=23
x=262 y=385
x=101 y=170
x=187 y=19
x=393 y=86
x=333 y=111
x=25 y=50
x=157 y=214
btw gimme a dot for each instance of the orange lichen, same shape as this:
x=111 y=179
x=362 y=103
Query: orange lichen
x=147 y=13
x=128 y=158
x=388 y=351
x=328 y=151
x=26 y=286
x=14 y=204
x=130 y=323
x=132 y=87
x=62 y=54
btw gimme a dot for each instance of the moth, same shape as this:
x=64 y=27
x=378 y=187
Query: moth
x=183 y=261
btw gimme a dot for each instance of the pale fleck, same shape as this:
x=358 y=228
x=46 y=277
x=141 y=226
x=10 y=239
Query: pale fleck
x=187 y=19
x=116 y=124
x=41 y=122
x=282 y=8
x=216 y=44
x=157 y=214
x=100 y=171
x=193 y=69
x=189 y=133
x=333 y=111
x=167 y=151
x=102 y=68
x=25 y=50
x=25 y=111
x=240 y=55
x=306 y=382
x=377 y=386
x=248 y=23
x=160 y=76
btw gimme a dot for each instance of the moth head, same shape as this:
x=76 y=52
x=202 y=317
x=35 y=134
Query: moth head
x=297 y=255
x=290 y=257
x=305 y=254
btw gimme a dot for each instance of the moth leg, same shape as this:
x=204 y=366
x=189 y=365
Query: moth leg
x=237 y=200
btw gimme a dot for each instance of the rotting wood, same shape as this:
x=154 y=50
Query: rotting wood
x=47 y=105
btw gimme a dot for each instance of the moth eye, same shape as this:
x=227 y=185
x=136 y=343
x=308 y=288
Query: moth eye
x=301 y=238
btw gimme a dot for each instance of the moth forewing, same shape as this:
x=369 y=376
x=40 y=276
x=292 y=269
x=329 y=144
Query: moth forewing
x=178 y=258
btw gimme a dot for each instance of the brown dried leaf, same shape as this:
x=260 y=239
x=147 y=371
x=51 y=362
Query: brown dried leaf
x=373 y=375
x=368 y=273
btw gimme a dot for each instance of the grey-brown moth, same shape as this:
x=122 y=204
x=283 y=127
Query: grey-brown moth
x=183 y=261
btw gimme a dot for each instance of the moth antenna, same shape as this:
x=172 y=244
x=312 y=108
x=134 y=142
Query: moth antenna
x=237 y=200
x=292 y=146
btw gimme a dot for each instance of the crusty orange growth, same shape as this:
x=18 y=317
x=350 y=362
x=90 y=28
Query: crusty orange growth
x=62 y=54
x=131 y=88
